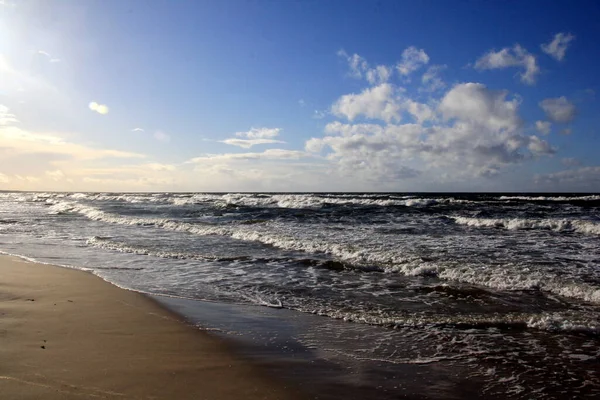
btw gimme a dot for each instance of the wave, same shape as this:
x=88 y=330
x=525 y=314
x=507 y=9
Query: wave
x=552 y=198
x=555 y=322
x=359 y=257
x=509 y=279
x=255 y=200
x=585 y=227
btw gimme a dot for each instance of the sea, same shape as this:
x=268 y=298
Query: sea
x=354 y=295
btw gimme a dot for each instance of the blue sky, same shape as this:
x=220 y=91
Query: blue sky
x=299 y=95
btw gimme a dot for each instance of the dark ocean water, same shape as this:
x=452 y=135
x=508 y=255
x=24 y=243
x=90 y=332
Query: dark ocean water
x=504 y=287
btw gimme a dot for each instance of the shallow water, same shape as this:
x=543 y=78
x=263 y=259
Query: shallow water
x=505 y=288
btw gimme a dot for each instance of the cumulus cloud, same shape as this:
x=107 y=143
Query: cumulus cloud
x=543 y=127
x=479 y=133
x=516 y=56
x=412 y=59
x=162 y=137
x=253 y=137
x=420 y=112
x=99 y=108
x=378 y=102
x=475 y=103
x=559 y=109
x=557 y=48
x=539 y=147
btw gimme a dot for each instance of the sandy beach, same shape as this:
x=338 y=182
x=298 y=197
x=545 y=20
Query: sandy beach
x=67 y=334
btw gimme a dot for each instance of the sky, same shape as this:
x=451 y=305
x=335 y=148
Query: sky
x=295 y=96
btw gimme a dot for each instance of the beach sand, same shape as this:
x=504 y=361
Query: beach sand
x=67 y=334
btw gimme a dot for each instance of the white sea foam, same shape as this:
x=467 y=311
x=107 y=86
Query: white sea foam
x=585 y=227
x=552 y=198
x=557 y=322
x=360 y=255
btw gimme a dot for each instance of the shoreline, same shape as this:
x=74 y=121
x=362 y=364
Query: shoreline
x=67 y=333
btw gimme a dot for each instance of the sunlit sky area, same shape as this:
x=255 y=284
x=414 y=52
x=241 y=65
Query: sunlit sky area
x=334 y=95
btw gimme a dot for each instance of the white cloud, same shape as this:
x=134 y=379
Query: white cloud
x=379 y=74
x=538 y=146
x=301 y=103
x=507 y=57
x=55 y=175
x=48 y=56
x=431 y=79
x=99 y=108
x=559 y=109
x=6 y=118
x=4 y=178
x=357 y=64
x=159 y=167
x=247 y=143
x=557 y=48
x=359 y=68
x=137 y=130
x=584 y=178
x=260 y=133
x=412 y=60
x=162 y=137
x=377 y=103
x=20 y=141
x=480 y=135
x=475 y=103
x=543 y=127
x=421 y=112
x=270 y=154
x=319 y=114
x=27 y=178
x=253 y=137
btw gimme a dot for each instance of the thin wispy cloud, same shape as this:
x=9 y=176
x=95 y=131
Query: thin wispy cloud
x=253 y=137
x=557 y=48
x=6 y=117
x=162 y=136
x=432 y=80
x=270 y=154
x=359 y=68
x=48 y=56
x=137 y=130
x=412 y=60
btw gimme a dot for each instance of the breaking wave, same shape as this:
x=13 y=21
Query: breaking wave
x=357 y=257
x=585 y=227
